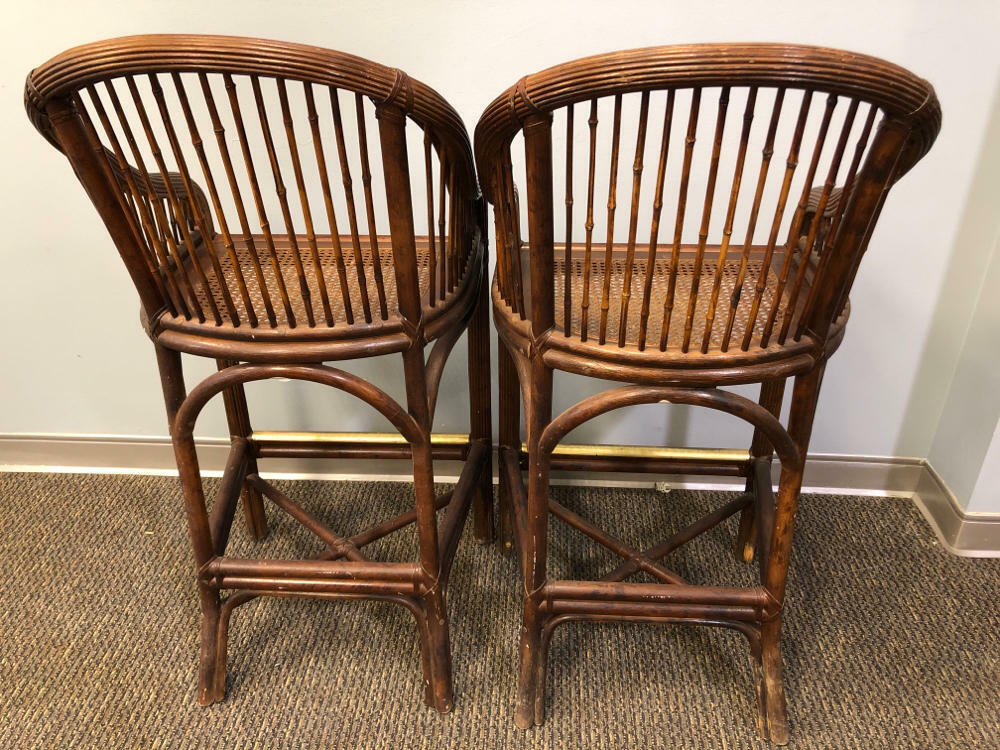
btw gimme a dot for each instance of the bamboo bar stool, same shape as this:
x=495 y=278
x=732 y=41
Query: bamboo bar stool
x=747 y=144
x=224 y=170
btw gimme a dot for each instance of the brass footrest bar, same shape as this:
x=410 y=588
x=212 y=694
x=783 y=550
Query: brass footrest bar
x=647 y=459
x=269 y=444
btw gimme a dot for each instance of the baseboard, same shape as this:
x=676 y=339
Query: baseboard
x=962 y=533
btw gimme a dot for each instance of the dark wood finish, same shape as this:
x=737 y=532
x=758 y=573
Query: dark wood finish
x=722 y=313
x=234 y=263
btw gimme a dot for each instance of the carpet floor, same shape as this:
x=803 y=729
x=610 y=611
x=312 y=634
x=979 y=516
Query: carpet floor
x=890 y=641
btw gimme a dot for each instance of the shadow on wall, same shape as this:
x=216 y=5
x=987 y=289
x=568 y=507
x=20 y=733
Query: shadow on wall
x=956 y=302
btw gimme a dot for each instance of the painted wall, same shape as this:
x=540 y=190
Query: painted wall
x=76 y=361
x=965 y=450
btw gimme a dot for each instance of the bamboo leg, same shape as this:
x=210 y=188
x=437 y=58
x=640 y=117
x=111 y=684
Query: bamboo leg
x=172 y=380
x=542 y=670
x=771 y=394
x=436 y=643
x=426 y=645
x=480 y=420
x=238 y=417
x=773 y=720
x=510 y=439
x=532 y=539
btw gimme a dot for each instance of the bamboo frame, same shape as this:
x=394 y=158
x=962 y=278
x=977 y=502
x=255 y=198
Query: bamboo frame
x=278 y=301
x=781 y=319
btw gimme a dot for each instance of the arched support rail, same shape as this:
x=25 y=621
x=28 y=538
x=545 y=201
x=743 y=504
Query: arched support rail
x=214 y=384
x=712 y=398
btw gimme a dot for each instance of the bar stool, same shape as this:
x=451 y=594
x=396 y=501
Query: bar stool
x=224 y=170
x=756 y=142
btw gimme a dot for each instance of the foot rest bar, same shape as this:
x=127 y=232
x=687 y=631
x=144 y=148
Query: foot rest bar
x=655 y=592
x=444 y=446
x=319 y=569
x=338 y=577
x=651 y=611
x=315 y=587
x=647 y=459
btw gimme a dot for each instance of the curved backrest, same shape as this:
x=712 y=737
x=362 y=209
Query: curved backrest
x=765 y=158
x=227 y=172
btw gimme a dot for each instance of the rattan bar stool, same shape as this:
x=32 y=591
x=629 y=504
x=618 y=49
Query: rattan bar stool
x=224 y=170
x=742 y=145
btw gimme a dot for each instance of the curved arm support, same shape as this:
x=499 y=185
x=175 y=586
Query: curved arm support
x=712 y=398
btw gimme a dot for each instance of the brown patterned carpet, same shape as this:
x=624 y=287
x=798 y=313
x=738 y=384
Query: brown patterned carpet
x=891 y=642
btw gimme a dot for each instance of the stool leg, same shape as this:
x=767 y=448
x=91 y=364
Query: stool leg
x=438 y=647
x=238 y=417
x=509 y=400
x=773 y=720
x=533 y=542
x=434 y=641
x=771 y=394
x=174 y=393
x=480 y=420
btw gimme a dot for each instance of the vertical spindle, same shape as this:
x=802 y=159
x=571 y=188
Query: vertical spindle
x=366 y=185
x=282 y=193
x=568 y=249
x=172 y=295
x=300 y=183
x=845 y=194
x=431 y=254
x=766 y=153
x=352 y=214
x=668 y=302
x=204 y=225
x=589 y=226
x=633 y=225
x=818 y=218
x=616 y=131
x=251 y=172
x=706 y=216
x=831 y=103
x=241 y=214
x=727 y=231
x=654 y=231
x=791 y=163
x=213 y=193
x=331 y=214
x=178 y=270
x=181 y=233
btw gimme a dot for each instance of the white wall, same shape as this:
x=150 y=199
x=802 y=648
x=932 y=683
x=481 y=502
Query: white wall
x=961 y=451
x=92 y=371
x=984 y=495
